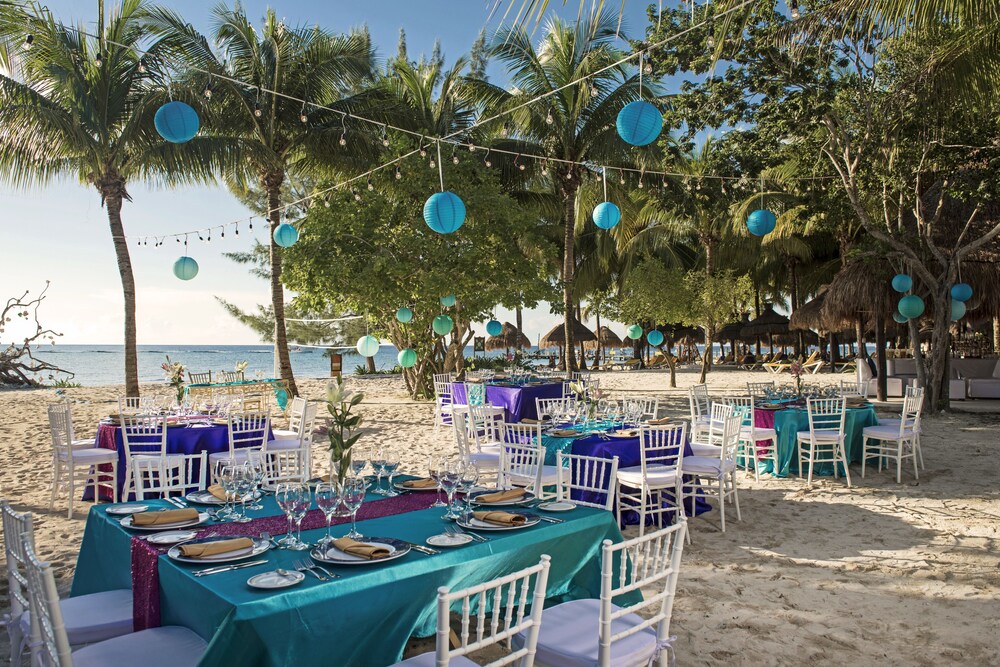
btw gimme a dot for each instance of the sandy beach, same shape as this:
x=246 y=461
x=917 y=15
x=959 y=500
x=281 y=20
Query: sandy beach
x=881 y=574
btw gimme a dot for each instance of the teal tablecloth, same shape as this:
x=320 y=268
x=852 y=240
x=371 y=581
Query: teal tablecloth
x=789 y=422
x=366 y=617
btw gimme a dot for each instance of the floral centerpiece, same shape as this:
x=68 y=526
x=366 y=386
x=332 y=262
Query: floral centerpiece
x=241 y=366
x=340 y=403
x=797 y=370
x=175 y=376
x=587 y=396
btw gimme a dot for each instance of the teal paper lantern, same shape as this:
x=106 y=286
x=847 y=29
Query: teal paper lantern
x=444 y=212
x=911 y=306
x=404 y=315
x=902 y=283
x=185 y=268
x=899 y=317
x=442 y=325
x=761 y=222
x=494 y=328
x=655 y=338
x=407 y=358
x=176 y=122
x=448 y=301
x=961 y=292
x=285 y=235
x=639 y=123
x=368 y=346
x=957 y=310
x=607 y=215
x=634 y=332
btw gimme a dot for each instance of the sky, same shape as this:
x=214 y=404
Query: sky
x=60 y=232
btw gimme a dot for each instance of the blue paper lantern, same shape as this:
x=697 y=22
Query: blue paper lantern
x=448 y=301
x=176 y=122
x=902 y=282
x=407 y=358
x=444 y=212
x=655 y=338
x=911 y=306
x=607 y=215
x=442 y=325
x=185 y=268
x=899 y=317
x=961 y=291
x=639 y=123
x=494 y=328
x=957 y=310
x=761 y=222
x=368 y=346
x=404 y=315
x=634 y=332
x=285 y=235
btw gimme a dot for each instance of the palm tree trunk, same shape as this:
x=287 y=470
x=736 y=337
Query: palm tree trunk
x=272 y=184
x=569 y=188
x=882 y=384
x=113 y=192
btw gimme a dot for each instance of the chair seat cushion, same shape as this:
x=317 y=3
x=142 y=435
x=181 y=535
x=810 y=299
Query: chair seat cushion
x=93 y=618
x=237 y=456
x=428 y=660
x=706 y=465
x=485 y=458
x=550 y=476
x=758 y=433
x=886 y=432
x=92 y=456
x=283 y=444
x=826 y=435
x=703 y=449
x=655 y=475
x=568 y=636
x=284 y=434
x=169 y=646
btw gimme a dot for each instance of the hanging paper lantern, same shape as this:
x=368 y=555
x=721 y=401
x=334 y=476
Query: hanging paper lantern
x=368 y=346
x=448 y=301
x=961 y=292
x=176 y=122
x=902 y=282
x=185 y=268
x=607 y=215
x=634 y=332
x=957 y=310
x=404 y=315
x=911 y=306
x=407 y=358
x=899 y=317
x=444 y=212
x=494 y=328
x=639 y=123
x=761 y=222
x=442 y=325
x=285 y=235
x=655 y=338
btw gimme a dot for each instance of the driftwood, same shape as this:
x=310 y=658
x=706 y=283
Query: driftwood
x=18 y=364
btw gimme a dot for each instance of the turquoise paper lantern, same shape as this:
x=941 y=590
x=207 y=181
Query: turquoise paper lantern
x=404 y=315
x=902 y=282
x=761 y=222
x=442 y=325
x=176 y=122
x=285 y=235
x=639 y=123
x=899 y=317
x=911 y=306
x=961 y=291
x=185 y=268
x=655 y=338
x=494 y=328
x=368 y=346
x=448 y=301
x=407 y=358
x=957 y=310
x=607 y=215
x=444 y=212
x=634 y=332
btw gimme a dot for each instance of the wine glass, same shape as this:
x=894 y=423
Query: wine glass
x=300 y=508
x=258 y=471
x=434 y=464
x=450 y=474
x=225 y=473
x=286 y=494
x=353 y=496
x=468 y=480
x=378 y=465
x=390 y=463
x=242 y=489
x=327 y=499
x=359 y=460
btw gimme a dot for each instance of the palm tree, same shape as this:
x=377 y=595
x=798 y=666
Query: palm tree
x=277 y=136
x=82 y=106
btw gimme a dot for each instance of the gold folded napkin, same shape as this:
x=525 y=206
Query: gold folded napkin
x=528 y=420
x=206 y=549
x=423 y=483
x=628 y=432
x=659 y=422
x=165 y=517
x=500 y=518
x=217 y=491
x=565 y=433
x=500 y=496
x=360 y=549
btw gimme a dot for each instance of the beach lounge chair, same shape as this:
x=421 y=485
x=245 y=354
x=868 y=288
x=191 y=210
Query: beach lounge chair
x=814 y=363
x=775 y=364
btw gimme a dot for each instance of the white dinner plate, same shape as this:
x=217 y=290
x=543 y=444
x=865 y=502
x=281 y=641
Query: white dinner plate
x=259 y=547
x=206 y=498
x=557 y=506
x=272 y=580
x=172 y=537
x=334 y=556
x=202 y=518
x=449 y=540
x=131 y=508
x=475 y=524
x=526 y=498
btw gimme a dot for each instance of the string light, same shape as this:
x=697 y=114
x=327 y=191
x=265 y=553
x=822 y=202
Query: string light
x=357 y=195
x=795 y=9
x=141 y=67
x=486 y=160
x=385 y=136
x=399 y=174
x=99 y=60
x=710 y=42
x=549 y=118
x=371 y=186
x=28 y=41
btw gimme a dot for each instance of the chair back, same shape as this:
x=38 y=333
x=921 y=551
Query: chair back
x=699 y=401
x=233 y=376
x=475 y=393
x=304 y=423
x=743 y=408
x=760 y=389
x=826 y=414
x=566 y=391
x=49 y=642
x=545 y=407
x=248 y=430
x=730 y=436
x=15 y=527
x=848 y=389
x=521 y=462
x=143 y=435
x=253 y=402
x=200 y=378
x=633 y=565
x=522 y=434
x=586 y=474
x=446 y=378
x=295 y=411
x=909 y=421
x=662 y=447
x=712 y=432
x=283 y=465
x=916 y=392
x=161 y=477
x=136 y=405
x=442 y=391
x=61 y=428
x=508 y=596
x=460 y=426
x=485 y=425
x=649 y=406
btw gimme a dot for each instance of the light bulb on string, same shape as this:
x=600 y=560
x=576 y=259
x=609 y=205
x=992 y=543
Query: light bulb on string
x=357 y=195
x=545 y=167
x=472 y=148
x=519 y=165
x=371 y=186
x=222 y=232
x=454 y=157
x=594 y=92
x=251 y=224
x=343 y=130
x=795 y=9
x=28 y=41
x=99 y=60
x=303 y=117
x=549 y=118
x=141 y=67
x=506 y=129
x=647 y=68
x=486 y=160
x=237 y=229
x=710 y=42
x=621 y=176
x=326 y=202
x=343 y=138
x=432 y=164
x=207 y=92
x=399 y=174
x=385 y=136
x=257 y=111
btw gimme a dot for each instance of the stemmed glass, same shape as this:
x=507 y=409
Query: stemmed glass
x=353 y=496
x=257 y=468
x=378 y=465
x=450 y=474
x=434 y=464
x=242 y=488
x=359 y=460
x=286 y=494
x=390 y=463
x=468 y=479
x=328 y=498
x=225 y=474
x=299 y=510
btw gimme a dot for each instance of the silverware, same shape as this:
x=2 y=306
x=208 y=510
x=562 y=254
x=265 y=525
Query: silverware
x=550 y=519
x=302 y=566
x=421 y=548
x=266 y=536
x=475 y=536
x=227 y=568
x=332 y=575
x=172 y=501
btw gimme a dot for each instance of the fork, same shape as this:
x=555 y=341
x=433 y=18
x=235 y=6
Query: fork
x=302 y=566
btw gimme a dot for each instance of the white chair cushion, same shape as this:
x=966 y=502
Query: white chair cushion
x=886 y=432
x=284 y=434
x=238 y=456
x=706 y=465
x=822 y=435
x=283 y=444
x=655 y=476
x=169 y=646
x=568 y=636
x=92 y=456
x=550 y=476
x=93 y=618
x=485 y=458
x=84 y=443
x=428 y=660
x=703 y=449
x=756 y=433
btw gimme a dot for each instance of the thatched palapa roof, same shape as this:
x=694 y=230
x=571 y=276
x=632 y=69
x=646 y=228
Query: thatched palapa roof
x=768 y=324
x=608 y=339
x=733 y=330
x=557 y=336
x=860 y=290
x=508 y=338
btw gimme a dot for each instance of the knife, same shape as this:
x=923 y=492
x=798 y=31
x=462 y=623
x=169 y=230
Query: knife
x=421 y=548
x=549 y=519
x=227 y=568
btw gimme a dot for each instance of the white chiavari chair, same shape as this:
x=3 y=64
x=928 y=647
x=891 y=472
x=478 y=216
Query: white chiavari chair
x=648 y=407
x=283 y=465
x=444 y=399
x=76 y=463
x=751 y=436
x=144 y=437
x=853 y=389
x=918 y=393
x=302 y=439
x=700 y=407
x=567 y=392
x=546 y=407
x=295 y=411
x=248 y=431
x=487 y=461
x=707 y=440
x=642 y=488
x=161 y=477
x=586 y=474
x=760 y=390
x=895 y=442
x=824 y=441
x=200 y=378
x=717 y=474
x=524 y=465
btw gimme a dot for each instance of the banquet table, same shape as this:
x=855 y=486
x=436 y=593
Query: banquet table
x=789 y=421
x=242 y=387
x=363 y=618
x=518 y=401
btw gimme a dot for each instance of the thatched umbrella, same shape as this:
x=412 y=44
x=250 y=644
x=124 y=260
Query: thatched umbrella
x=810 y=314
x=732 y=333
x=769 y=323
x=607 y=337
x=508 y=338
x=557 y=336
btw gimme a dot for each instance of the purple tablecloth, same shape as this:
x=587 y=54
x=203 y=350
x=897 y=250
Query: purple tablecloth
x=517 y=402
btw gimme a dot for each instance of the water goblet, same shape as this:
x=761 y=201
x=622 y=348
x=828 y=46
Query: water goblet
x=390 y=461
x=353 y=496
x=328 y=499
x=256 y=464
x=286 y=494
x=359 y=460
x=434 y=464
x=242 y=489
x=378 y=466
x=300 y=508
x=224 y=473
x=468 y=480
x=450 y=476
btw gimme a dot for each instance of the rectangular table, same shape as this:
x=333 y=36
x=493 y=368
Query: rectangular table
x=518 y=402
x=788 y=422
x=364 y=618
